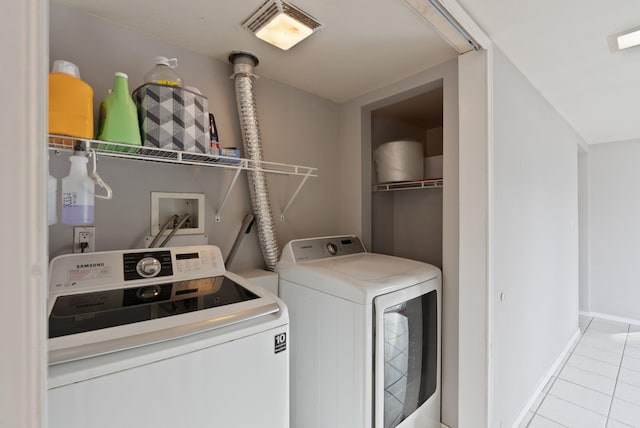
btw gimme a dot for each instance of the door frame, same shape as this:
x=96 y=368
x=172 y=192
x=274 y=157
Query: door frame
x=24 y=47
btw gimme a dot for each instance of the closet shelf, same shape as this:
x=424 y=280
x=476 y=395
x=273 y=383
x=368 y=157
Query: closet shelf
x=104 y=148
x=117 y=150
x=409 y=185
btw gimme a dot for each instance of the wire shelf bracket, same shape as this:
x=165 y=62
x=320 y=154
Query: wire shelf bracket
x=218 y=214
x=302 y=182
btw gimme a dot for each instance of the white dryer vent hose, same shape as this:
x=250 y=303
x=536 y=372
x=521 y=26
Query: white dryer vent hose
x=243 y=67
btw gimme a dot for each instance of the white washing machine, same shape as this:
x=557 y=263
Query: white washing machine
x=365 y=336
x=163 y=337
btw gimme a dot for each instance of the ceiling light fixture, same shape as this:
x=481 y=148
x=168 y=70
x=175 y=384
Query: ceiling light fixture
x=629 y=40
x=281 y=24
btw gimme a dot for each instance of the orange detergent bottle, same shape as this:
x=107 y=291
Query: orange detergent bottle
x=70 y=102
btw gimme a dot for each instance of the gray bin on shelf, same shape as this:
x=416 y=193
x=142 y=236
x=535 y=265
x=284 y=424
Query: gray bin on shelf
x=172 y=118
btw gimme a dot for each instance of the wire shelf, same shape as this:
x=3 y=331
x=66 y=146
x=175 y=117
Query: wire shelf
x=150 y=154
x=126 y=151
x=409 y=185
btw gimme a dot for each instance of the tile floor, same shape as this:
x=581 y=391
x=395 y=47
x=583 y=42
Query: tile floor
x=597 y=385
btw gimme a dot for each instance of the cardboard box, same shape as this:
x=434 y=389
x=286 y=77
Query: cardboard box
x=229 y=152
x=433 y=167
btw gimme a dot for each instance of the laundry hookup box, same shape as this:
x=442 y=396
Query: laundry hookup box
x=172 y=118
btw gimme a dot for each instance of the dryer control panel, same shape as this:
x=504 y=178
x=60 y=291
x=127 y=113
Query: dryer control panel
x=303 y=250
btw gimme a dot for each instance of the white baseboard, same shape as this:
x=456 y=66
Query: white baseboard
x=545 y=379
x=610 y=317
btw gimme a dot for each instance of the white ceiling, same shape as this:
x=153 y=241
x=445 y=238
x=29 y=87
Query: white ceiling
x=561 y=46
x=360 y=48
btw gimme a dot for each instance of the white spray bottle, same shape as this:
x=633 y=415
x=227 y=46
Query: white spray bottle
x=78 y=192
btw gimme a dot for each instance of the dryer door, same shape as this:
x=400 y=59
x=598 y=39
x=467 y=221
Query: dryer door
x=407 y=357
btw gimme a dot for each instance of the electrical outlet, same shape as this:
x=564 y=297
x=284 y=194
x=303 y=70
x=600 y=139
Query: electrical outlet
x=84 y=239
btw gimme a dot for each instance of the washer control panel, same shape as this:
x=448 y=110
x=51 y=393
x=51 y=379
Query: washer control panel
x=148 y=264
x=321 y=248
x=112 y=269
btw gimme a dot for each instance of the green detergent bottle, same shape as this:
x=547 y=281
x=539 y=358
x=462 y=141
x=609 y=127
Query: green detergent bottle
x=118 y=117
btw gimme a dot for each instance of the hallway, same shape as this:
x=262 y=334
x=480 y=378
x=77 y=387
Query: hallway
x=598 y=384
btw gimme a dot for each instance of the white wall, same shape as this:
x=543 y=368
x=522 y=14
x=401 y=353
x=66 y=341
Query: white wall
x=297 y=128
x=417 y=225
x=23 y=259
x=534 y=239
x=614 y=229
x=356 y=202
x=473 y=240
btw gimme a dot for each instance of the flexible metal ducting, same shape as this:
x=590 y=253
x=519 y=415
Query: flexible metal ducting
x=243 y=66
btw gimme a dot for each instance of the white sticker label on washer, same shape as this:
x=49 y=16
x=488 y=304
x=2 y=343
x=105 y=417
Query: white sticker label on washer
x=89 y=272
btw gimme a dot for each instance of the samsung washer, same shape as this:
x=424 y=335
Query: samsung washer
x=365 y=336
x=163 y=337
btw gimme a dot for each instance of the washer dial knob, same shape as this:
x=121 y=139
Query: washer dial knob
x=148 y=267
x=332 y=248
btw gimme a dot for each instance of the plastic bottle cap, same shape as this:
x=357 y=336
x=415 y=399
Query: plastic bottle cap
x=162 y=60
x=169 y=62
x=121 y=74
x=65 y=67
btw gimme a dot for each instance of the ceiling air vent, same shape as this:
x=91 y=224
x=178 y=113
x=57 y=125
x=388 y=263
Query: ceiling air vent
x=300 y=15
x=281 y=24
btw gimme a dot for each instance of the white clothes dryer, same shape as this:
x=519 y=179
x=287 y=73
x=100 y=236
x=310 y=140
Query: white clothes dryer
x=163 y=337
x=365 y=336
